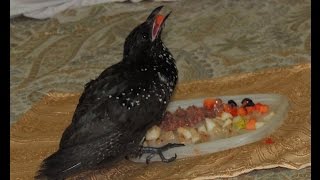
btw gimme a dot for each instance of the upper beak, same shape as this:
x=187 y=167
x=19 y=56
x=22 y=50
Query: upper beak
x=157 y=21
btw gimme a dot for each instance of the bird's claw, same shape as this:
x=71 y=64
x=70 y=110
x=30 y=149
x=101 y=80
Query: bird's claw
x=153 y=151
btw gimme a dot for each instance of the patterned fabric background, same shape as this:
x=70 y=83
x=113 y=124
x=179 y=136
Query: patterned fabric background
x=207 y=38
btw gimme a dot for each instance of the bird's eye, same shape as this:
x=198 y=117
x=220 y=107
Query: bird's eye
x=145 y=36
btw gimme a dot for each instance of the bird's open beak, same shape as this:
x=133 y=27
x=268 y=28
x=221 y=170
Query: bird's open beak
x=157 y=21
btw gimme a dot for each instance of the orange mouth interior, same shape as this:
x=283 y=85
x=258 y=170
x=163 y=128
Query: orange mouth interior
x=156 y=25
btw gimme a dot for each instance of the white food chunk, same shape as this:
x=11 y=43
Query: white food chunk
x=167 y=136
x=195 y=135
x=153 y=133
x=217 y=118
x=184 y=132
x=225 y=116
x=259 y=124
x=209 y=124
x=227 y=122
x=202 y=129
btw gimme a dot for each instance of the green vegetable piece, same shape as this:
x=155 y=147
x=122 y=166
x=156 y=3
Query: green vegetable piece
x=240 y=124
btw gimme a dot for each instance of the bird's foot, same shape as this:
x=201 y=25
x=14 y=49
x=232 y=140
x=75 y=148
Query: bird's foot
x=153 y=151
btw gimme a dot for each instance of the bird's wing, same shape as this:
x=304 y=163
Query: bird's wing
x=97 y=115
x=91 y=118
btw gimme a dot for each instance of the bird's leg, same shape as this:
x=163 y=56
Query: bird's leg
x=153 y=150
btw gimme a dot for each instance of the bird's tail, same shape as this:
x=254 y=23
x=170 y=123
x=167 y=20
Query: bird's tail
x=69 y=161
x=60 y=165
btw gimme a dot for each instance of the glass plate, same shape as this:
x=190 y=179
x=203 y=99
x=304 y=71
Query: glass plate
x=278 y=104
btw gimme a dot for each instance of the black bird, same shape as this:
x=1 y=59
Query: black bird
x=117 y=108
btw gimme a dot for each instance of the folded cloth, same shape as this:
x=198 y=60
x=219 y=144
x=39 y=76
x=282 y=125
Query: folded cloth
x=42 y=9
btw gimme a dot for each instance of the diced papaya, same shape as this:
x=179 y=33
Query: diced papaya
x=269 y=141
x=208 y=103
x=227 y=108
x=234 y=112
x=251 y=124
x=264 y=108
x=250 y=109
x=242 y=111
x=257 y=106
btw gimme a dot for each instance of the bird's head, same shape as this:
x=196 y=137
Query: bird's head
x=145 y=35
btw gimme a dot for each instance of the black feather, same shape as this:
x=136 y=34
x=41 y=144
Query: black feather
x=118 y=107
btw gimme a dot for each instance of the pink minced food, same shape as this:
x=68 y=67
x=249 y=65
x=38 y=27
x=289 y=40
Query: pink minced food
x=188 y=117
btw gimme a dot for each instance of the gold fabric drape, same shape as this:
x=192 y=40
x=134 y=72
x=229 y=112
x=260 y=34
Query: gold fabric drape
x=38 y=132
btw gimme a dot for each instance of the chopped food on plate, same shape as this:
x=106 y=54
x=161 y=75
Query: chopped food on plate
x=213 y=120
